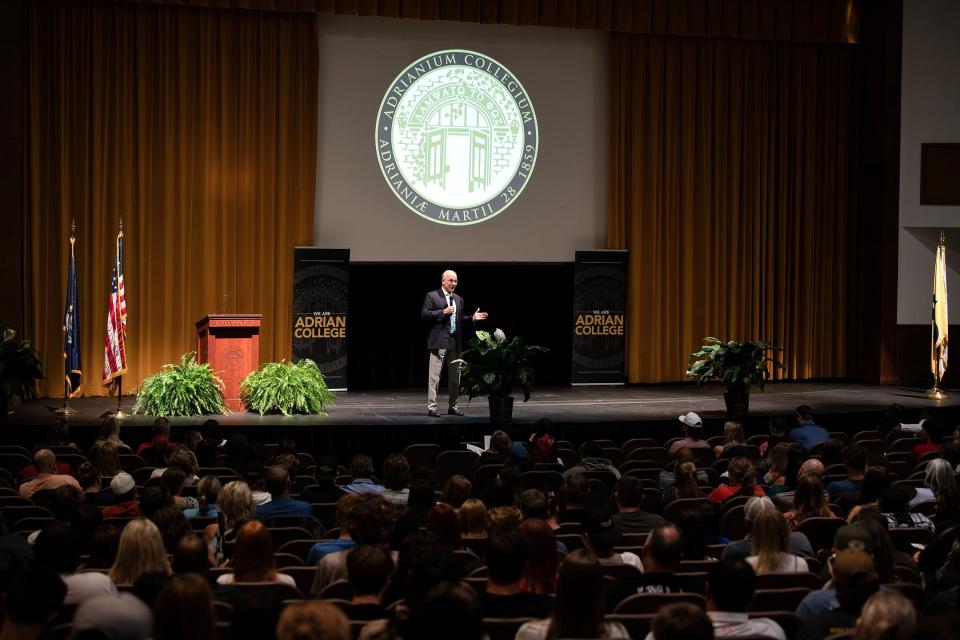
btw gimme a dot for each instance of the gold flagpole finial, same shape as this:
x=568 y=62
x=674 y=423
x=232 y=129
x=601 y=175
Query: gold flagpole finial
x=943 y=237
x=73 y=227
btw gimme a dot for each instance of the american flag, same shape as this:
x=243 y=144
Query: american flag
x=115 y=354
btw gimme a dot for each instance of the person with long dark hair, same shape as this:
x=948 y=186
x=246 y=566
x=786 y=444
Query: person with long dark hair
x=743 y=482
x=578 y=612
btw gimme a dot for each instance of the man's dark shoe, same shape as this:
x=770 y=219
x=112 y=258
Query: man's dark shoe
x=455 y=411
x=433 y=413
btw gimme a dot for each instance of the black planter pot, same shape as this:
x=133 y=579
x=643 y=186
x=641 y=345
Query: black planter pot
x=501 y=409
x=738 y=401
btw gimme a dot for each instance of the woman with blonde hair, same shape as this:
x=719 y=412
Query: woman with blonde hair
x=809 y=501
x=771 y=546
x=235 y=507
x=313 y=621
x=109 y=433
x=887 y=615
x=732 y=437
x=253 y=557
x=106 y=459
x=473 y=519
x=141 y=551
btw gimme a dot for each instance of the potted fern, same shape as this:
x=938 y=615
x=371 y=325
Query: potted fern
x=20 y=368
x=495 y=367
x=185 y=389
x=288 y=388
x=737 y=365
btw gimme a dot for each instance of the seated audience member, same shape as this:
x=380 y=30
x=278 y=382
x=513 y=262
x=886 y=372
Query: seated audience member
x=172 y=524
x=729 y=592
x=668 y=478
x=507 y=550
x=153 y=497
x=505 y=488
x=124 y=490
x=252 y=559
x=500 y=451
x=361 y=468
x=456 y=491
x=473 y=519
x=103 y=547
x=931 y=435
x=291 y=464
x=851 y=536
x=810 y=467
x=771 y=546
x=368 y=569
x=874 y=482
x=313 y=621
x=235 y=506
x=942 y=484
x=141 y=551
x=540 y=573
x=807 y=432
x=579 y=604
x=346 y=506
x=743 y=482
x=47 y=477
x=207 y=491
x=184 y=610
x=600 y=535
x=543 y=446
x=832 y=452
x=181 y=457
x=118 y=616
x=692 y=431
x=396 y=475
x=809 y=501
x=696 y=521
x=172 y=480
x=277 y=482
x=592 y=458
x=499 y=517
x=155 y=451
x=32 y=601
x=576 y=492
x=93 y=492
x=894 y=505
x=855 y=460
x=106 y=460
x=369 y=521
x=685 y=483
x=630 y=517
x=30 y=471
x=782 y=470
x=855 y=580
x=662 y=554
x=732 y=437
x=253 y=471
x=190 y=556
x=887 y=615
x=326 y=489
x=109 y=432
x=58 y=548
x=449 y=610
x=681 y=621
x=442 y=522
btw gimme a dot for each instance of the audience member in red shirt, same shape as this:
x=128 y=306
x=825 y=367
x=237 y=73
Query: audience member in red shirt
x=743 y=482
x=161 y=435
x=931 y=435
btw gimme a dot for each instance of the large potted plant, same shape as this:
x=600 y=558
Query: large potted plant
x=737 y=365
x=496 y=367
x=185 y=389
x=288 y=388
x=20 y=368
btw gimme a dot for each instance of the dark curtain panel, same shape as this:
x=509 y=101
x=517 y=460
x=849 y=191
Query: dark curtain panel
x=198 y=127
x=729 y=186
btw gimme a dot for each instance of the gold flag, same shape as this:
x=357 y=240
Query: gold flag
x=940 y=329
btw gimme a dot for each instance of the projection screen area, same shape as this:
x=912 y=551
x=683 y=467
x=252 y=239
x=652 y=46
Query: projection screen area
x=494 y=149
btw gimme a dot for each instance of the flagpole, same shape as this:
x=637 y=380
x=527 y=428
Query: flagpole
x=66 y=409
x=120 y=413
x=939 y=345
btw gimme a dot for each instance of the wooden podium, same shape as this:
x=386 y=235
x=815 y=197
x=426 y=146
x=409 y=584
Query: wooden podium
x=230 y=343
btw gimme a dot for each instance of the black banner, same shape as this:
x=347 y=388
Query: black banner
x=321 y=284
x=599 y=317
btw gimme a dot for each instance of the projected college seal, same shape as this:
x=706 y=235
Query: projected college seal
x=456 y=137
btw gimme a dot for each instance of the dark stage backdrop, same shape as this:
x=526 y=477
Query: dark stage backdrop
x=387 y=340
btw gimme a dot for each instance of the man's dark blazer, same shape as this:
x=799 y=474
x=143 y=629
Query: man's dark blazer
x=439 y=336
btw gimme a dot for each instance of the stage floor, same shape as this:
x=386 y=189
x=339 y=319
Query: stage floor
x=634 y=403
x=383 y=422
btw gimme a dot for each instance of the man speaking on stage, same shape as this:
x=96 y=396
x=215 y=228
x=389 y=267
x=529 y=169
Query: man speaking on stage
x=444 y=310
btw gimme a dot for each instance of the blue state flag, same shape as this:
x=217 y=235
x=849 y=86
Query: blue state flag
x=71 y=329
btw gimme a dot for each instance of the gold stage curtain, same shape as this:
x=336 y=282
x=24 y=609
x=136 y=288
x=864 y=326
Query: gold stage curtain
x=793 y=20
x=728 y=183
x=198 y=127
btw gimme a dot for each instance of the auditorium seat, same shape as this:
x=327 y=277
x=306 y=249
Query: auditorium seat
x=904 y=539
x=820 y=531
x=421 y=455
x=452 y=463
x=733 y=523
x=658 y=455
x=14 y=462
x=673 y=510
x=652 y=602
x=637 y=625
x=635 y=443
x=300 y=548
x=803 y=579
x=282 y=560
x=551 y=481
x=503 y=628
x=789 y=621
x=338 y=589
x=483 y=478
x=777 y=599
